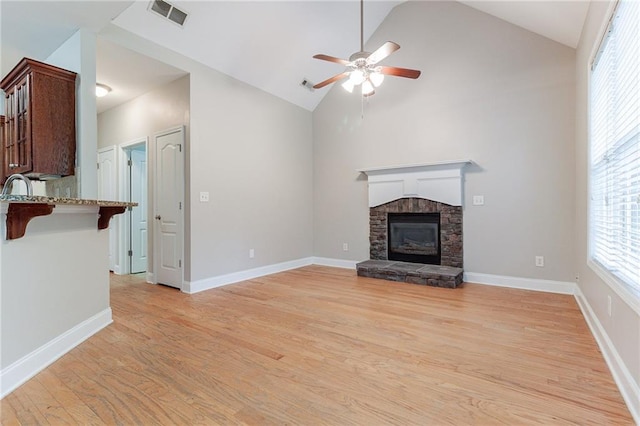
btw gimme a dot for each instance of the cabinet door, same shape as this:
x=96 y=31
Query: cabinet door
x=9 y=133
x=3 y=137
x=17 y=151
x=23 y=127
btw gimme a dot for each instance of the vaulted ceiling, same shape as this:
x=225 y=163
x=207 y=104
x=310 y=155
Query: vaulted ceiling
x=268 y=44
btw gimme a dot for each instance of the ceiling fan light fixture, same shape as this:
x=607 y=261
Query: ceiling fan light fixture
x=367 y=88
x=356 y=77
x=348 y=86
x=376 y=78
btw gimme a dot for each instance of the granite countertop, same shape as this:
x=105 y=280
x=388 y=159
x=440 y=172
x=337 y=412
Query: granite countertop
x=60 y=200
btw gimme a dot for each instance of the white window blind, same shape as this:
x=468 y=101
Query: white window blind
x=614 y=214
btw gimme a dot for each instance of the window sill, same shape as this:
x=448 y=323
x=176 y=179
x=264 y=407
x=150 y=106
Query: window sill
x=628 y=294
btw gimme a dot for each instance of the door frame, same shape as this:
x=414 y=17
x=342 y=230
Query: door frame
x=124 y=195
x=152 y=223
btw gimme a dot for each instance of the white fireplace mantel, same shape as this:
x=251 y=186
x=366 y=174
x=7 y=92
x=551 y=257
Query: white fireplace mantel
x=440 y=182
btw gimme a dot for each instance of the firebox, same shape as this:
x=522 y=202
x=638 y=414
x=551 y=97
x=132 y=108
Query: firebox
x=414 y=237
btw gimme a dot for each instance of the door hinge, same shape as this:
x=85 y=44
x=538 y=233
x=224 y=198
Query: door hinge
x=179 y=205
x=180 y=147
x=130 y=253
x=129 y=163
x=98 y=164
x=179 y=263
x=130 y=208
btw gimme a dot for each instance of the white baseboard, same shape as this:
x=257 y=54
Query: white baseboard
x=561 y=287
x=626 y=384
x=335 y=263
x=31 y=364
x=234 y=277
x=151 y=279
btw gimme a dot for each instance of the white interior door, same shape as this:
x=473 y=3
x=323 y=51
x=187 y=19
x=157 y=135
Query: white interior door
x=139 y=213
x=168 y=214
x=107 y=191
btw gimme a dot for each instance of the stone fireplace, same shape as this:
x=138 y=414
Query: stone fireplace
x=415 y=224
x=450 y=227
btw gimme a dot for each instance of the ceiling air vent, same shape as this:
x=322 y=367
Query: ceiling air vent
x=168 y=11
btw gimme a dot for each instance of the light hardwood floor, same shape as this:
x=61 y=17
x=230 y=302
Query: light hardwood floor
x=321 y=346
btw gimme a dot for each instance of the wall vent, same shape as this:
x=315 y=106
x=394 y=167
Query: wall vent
x=168 y=11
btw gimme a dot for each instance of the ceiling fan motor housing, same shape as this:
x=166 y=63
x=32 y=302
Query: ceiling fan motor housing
x=359 y=56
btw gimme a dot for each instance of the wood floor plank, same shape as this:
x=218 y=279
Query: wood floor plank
x=320 y=345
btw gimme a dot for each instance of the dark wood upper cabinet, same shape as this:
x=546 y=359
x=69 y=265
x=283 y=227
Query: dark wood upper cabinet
x=40 y=126
x=2 y=144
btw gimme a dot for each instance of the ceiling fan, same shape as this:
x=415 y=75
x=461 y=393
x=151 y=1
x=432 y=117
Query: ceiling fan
x=362 y=67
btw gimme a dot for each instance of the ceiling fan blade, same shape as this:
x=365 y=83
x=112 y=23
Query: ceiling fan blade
x=400 y=72
x=382 y=52
x=330 y=80
x=331 y=59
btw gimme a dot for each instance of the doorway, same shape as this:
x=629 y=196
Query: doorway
x=134 y=249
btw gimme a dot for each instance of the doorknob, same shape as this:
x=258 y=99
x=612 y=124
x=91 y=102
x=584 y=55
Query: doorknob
x=158 y=217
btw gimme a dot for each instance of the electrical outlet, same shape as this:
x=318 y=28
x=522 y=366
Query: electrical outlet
x=252 y=253
x=540 y=261
x=345 y=247
x=609 y=305
x=204 y=197
x=478 y=200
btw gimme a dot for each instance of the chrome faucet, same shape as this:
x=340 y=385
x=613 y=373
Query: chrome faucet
x=9 y=183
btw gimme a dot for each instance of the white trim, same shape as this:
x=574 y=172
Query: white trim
x=560 y=287
x=31 y=364
x=440 y=182
x=628 y=387
x=335 y=263
x=234 y=277
x=628 y=296
x=455 y=164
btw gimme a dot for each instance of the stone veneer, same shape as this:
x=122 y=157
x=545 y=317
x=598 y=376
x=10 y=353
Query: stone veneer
x=450 y=227
x=415 y=273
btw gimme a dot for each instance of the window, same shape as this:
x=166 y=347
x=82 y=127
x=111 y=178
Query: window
x=614 y=216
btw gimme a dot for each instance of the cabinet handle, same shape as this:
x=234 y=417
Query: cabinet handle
x=13 y=166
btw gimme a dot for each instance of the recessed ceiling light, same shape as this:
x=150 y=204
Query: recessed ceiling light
x=102 y=90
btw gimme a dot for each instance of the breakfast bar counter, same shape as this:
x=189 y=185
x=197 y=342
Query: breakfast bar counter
x=21 y=209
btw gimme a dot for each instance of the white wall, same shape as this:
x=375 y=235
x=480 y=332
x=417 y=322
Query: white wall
x=490 y=92
x=254 y=158
x=142 y=118
x=252 y=152
x=146 y=115
x=78 y=54
x=54 y=284
x=623 y=326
